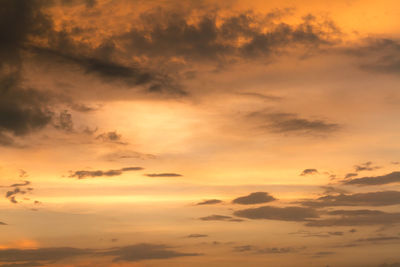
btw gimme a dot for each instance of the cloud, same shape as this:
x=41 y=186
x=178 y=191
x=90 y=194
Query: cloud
x=64 y=122
x=349 y=175
x=127 y=154
x=130 y=253
x=276 y=213
x=382 y=198
x=328 y=190
x=23 y=184
x=367 y=166
x=99 y=173
x=163 y=175
x=196 y=236
x=209 y=202
x=220 y=218
x=356 y=218
x=112 y=137
x=271 y=250
x=3 y=223
x=290 y=123
x=393 y=177
x=309 y=172
x=26 y=264
x=254 y=198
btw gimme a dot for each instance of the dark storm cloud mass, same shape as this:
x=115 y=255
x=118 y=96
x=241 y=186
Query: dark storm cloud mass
x=215 y=217
x=209 y=202
x=382 y=198
x=289 y=123
x=393 y=177
x=170 y=34
x=22 y=110
x=167 y=174
x=276 y=213
x=254 y=198
x=99 y=173
x=131 y=253
x=308 y=172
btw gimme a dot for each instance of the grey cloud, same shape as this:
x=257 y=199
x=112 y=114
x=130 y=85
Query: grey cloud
x=254 y=198
x=64 y=121
x=92 y=174
x=23 y=184
x=382 y=198
x=328 y=190
x=196 y=236
x=110 y=137
x=167 y=174
x=131 y=253
x=26 y=264
x=357 y=218
x=127 y=154
x=209 y=202
x=220 y=218
x=276 y=213
x=290 y=123
x=367 y=166
x=308 y=172
x=350 y=175
x=257 y=250
x=393 y=177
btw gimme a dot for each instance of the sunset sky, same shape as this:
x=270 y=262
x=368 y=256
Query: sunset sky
x=199 y=133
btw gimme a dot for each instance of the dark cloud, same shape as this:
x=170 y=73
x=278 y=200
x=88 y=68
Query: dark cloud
x=309 y=172
x=220 y=218
x=323 y=254
x=214 y=37
x=144 y=252
x=357 y=218
x=329 y=190
x=396 y=264
x=99 y=173
x=127 y=154
x=22 y=110
x=257 y=250
x=209 y=202
x=131 y=253
x=26 y=264
x=64 y=121
x=163 y=174
x=289 y=123
x=367 y=166
x=382 y=198
x=196 y=236
x=3 y=223
x=113 y=137
x=276 y=213
x=393 y=177
x=25 y=183
x=350 y=175
x=254 y=198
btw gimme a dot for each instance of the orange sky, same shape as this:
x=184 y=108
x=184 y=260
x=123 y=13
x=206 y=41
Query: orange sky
x=193 y=133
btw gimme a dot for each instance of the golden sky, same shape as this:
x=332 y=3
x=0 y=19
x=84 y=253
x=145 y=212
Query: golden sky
x=199 y=133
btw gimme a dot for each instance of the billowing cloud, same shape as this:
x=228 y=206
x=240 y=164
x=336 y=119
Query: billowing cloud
x=276 y=213
x=209 y=202
x=393 y=177
x=254 y=198
x=382 y=198
x=99 y=173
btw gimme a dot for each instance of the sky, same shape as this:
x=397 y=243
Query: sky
x=212 y=133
